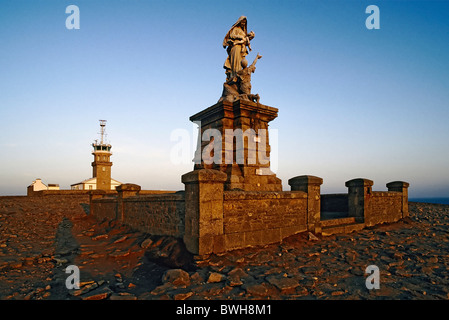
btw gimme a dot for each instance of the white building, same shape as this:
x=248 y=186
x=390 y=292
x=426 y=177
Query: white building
x=91 y=184
x=37 y=185
x=53 y=186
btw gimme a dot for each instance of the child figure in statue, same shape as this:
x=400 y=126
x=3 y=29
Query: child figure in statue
x=244 y=80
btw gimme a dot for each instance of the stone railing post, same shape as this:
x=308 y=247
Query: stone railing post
x=94 y=194
x=401 y=186
x=359 y=195
x=204 y=194
x=310 y=185
x=124 y=191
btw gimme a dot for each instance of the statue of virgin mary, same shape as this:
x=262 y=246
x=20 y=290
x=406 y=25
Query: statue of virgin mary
x=236 y=43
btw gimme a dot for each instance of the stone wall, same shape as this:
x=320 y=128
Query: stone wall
x=41 y=193
x=152 y=212
x=258 y=218
x=104 y=208
x=374 y=207
x=161 y=214
x=218 y=220
x=212 y=220
x=383 y=207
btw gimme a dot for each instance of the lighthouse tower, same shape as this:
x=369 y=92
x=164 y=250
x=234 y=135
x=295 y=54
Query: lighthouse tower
x=102 y=160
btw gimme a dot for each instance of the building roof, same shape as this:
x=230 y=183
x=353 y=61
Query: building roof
x=35 y=181
x=93 y=180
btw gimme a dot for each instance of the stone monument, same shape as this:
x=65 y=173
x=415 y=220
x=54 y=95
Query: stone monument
x=232 y=199
x=238 y=74
x=233 y=136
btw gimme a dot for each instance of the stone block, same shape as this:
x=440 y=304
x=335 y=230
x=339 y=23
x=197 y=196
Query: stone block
x=359 y=182
x=204 y=209
x=271 y=236
x=128 y=190
x=253 y=238
x=397 y=186
x=359 y=196
x=300 y=183
x=310 y=185
x=289 y=231
x=219 y=244
x=205 y=244
x=234 y=240
x=237 y=122
x=204 y=175
x=210 y=227
x=401 y=186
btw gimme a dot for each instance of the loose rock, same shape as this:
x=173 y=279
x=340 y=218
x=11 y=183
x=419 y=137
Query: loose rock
x=176 y=277
x=215 y=277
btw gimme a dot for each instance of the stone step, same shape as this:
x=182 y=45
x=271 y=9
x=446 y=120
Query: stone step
x=341 y=228
x=338 y=221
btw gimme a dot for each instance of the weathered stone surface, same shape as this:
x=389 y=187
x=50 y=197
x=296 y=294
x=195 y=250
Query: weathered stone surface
x=182 y=296
x=100 y=236
x=215 y=277
x=313 y=237
x=241 y=115
x=283 y=283
x=162 y=289
x=121 y=239
x=146 y=243
x=236 y=276
x=256 y=289
x=119 y=254
x=176 y=277
x=98 y=295
x=85 y=287
x=122 y=296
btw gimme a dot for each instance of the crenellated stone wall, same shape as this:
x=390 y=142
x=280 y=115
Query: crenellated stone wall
x=375 y=207
x=218 y=220
x=212 y=220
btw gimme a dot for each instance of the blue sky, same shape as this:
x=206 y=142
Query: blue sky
x=352 y=102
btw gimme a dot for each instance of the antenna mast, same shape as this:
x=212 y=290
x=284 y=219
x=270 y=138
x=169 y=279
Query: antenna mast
x=102 y=125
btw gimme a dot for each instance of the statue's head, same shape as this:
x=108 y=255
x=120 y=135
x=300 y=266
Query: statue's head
x=244 y=63
x=242 y=23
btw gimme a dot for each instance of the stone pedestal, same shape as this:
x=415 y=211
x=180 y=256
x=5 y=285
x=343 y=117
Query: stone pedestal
x=233 y=138
x=359 y=193
x=401 y=186
x=310 y=185
x=204 y=211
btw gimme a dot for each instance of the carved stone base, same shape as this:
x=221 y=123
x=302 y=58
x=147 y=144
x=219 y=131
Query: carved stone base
x=237 y=144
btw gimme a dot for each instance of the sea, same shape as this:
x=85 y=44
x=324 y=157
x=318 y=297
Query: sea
x=430 y=200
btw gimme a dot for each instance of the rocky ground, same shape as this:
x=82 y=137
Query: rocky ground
x=40 y=237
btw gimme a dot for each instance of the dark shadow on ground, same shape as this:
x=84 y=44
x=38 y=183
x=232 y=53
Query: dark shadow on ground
x=66 y=249
x=86 y=208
